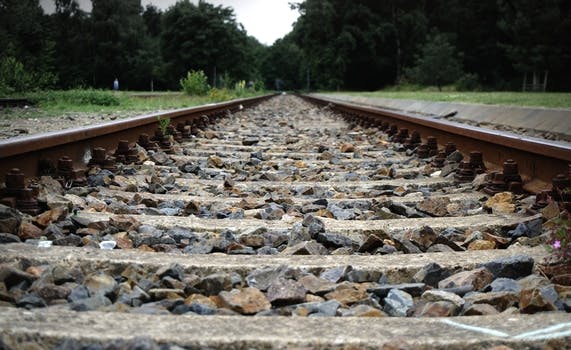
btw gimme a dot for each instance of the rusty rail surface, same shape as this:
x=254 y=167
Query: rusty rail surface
x=539 y=160
x=33 y=153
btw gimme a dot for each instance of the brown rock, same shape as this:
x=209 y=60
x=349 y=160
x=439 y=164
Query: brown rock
x=434 y=206
x=51 y=292
x=480 y=310
x=316 y=285
x=10 y=220
x=364 y=311
x=347 y=148
x=246 y=301
x=50 y=216
x=551 y=211
x=123 y=241
x=437 y=309
x=425 y=237
x=166 y=293
x=300 y=164
x=440 y=295
x=310 y=298
x=478 y=278
x=215 y=161
x=501 y=203
x=209 y=134
x=347 y=293
x=29 y=231
x=200 y=299
x=482 y=244
x=124 y=223
x=538 y=299
x=500 y=300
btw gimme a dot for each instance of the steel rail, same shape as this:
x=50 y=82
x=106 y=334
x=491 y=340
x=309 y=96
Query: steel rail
x=537 y=159
x=31 y=153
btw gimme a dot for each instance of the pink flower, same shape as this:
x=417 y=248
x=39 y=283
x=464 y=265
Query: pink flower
x=557 y=244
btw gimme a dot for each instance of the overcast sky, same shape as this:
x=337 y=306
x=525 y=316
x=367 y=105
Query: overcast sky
x=267 y=20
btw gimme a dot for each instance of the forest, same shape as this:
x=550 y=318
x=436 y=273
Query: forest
x=490 y=45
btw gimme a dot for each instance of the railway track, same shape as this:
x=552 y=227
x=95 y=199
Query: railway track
x=284 y=225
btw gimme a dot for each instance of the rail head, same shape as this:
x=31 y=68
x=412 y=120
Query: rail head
x=542 y=147
x=33 y=143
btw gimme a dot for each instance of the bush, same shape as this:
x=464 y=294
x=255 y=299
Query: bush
x=15 y=78
x=468 y=82
x=240 y=88
x=195 y=83
x=218 y=95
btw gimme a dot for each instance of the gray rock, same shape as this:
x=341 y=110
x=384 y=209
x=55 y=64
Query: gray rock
x=70 y=241
x=316 y=285
x=455 y=157
x=10 y=220
x=101 y=178
x=513 y=267
x=6 y=238
x=101 y=283
x=31 y=301
x=326 y=308
x=215 y=283
x=298 y=234
x=336 y=274
x=174 y=270
x=286 y=291
x=360 y=276
x=530 y=229
x=397 y=303
x=505 y=285
x=313 y=224
x=331 y=240
x=306 y=248
x=12 y=276
x=91 y=304
x=431 y=274
x=78 y=293
x=413 y=289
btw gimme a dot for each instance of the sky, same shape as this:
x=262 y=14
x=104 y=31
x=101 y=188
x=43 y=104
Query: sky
x=266 y=20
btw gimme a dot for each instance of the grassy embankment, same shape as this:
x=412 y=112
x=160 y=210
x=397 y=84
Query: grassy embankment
x=52 y=103
x=527 y=99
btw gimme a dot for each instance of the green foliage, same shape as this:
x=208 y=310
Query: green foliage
x=195 y=83
x=438 y=63
x=559 y=242
x=15 y=78
x=468 y=82
x=240 y=88
x=163 y=125
x=219 y=95
x=76 y=98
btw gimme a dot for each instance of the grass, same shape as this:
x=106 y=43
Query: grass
x=527 y=99
x=53 y=103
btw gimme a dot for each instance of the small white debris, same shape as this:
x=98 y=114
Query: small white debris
x=107 y=245
x=44 y=244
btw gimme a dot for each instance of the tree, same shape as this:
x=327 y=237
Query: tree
x=118 y=32
x=24 y=44
x=438 y=63
x=71 y=32
x=204 y=37
x=537 y=36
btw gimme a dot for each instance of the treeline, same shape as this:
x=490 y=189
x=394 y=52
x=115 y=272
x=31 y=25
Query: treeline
x=335 y=44
x=143 y=47
x=369 y=44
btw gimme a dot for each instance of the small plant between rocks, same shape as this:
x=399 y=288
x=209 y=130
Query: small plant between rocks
x=163 y=125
